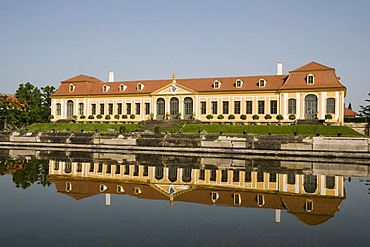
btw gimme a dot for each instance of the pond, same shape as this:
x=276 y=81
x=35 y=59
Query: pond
x=95 y=199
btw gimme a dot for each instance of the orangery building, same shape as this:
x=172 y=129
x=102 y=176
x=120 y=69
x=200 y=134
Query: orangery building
x=312 y=91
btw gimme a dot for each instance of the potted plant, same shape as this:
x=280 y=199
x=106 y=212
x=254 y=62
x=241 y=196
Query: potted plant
x=107 y=117
x=255 y=117
x=116 y=116
x=91 y=117
x=124 y=116
x=74 y=117
x=209 y=117
x=82 y=116
x=243 y=117
x=292 y=117
x=267 y=118
x=220 y=117
x=132 y=116
x=279 y=118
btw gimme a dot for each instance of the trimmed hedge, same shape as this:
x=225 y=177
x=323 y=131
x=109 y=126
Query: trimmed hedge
x=357 y=119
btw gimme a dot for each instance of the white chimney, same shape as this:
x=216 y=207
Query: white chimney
x=107 y=199
x=111 y=76
x=279 y=68
x=278 y=215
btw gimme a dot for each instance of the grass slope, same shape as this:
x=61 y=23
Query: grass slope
x=77 y=127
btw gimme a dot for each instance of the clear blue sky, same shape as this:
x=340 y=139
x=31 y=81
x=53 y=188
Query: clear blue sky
x=45 y=42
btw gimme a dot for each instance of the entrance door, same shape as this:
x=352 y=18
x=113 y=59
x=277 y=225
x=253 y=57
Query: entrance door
x=188 y=108
x=69 y=109
x=160 y=108
x=310 y=110
x=174 y=108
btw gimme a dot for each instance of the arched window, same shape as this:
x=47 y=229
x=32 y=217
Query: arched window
x=330 y=106
x=310 y=79
x=158 y=172
x=262 y=83
x=71 y=88
x=216 y=84
x=292 y=106
x=239 y=83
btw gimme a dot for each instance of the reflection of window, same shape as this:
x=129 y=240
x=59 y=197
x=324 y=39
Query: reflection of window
x=309 y=205
x=102 y=188
x=118 y=169
x=127 y=170
x=291 y=178
x=136 y=170
x=137 y=191
x=236 y=176
x=79 y=167
x=56 y=165
x=272 y=177
x=146 y=171
x=158 y=172
x=68 y=186
x=202 y=174
x=260 y=177
x=214 y=196
x=100 y=167
x=119 y=189
x=213 y=175
x=109 y=168
x=330 y=182
x=92 y=167
x=186 y=174
x=260 y=200
x=248 y=176
x=224 y=175
x=237 y=199
x=68 y=167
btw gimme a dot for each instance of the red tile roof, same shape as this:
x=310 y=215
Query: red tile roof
x=349 y=113
x=324 y=78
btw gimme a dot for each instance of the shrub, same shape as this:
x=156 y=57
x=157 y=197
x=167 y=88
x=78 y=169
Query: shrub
x=91 y=117
x=51 y=117
x=209 y=117
x=220 y=117
x=82 y=116
x=99 y=116
x=74 y=117
x=132 y=116
x=243 y=117
x=255 y=117
x=157 y=130
x=328 y=116
x=107 y=117
x=123 y=129
x=124 y=116
x=292 y=117
x=231 y=117
x=268 y=117
x=279 y=117
x=116 y=116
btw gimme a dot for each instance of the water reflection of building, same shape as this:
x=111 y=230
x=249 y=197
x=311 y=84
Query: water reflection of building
x=313 y=199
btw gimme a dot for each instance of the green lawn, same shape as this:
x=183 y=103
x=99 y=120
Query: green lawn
x=77 y=127
x=304 y=130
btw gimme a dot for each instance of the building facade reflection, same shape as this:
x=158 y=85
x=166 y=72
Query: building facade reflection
x=313 y=199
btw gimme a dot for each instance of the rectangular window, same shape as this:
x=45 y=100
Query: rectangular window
x=261 y=107
x=81 y=108
x=119 y=108
x=93 y=109
x=110 y=109
x=147 y=108
x=59 y=109
x=102 y=109
x=137 y=108
x=236 y=107
x=214 y=107
x=128 y=108
x=248 y=107
x=225 y=107
x=203 y=107
x=273 y=107
x=292 y=106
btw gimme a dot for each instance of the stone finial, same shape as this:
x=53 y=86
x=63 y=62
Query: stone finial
x=174 y=77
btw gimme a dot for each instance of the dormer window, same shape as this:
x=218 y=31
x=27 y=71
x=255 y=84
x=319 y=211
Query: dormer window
x=71 y=87
x=216 y=84
x=105 y=88
x=262 y=83
x=310 y=79
x=139 y=87
x=239 y=83
x=122 y=87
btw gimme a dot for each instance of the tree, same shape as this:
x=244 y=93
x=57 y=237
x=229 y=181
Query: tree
x=46 y=93
x=350 y=106
x=30 y=99
x=365 y=110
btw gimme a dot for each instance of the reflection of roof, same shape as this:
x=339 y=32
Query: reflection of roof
x=324 y=207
